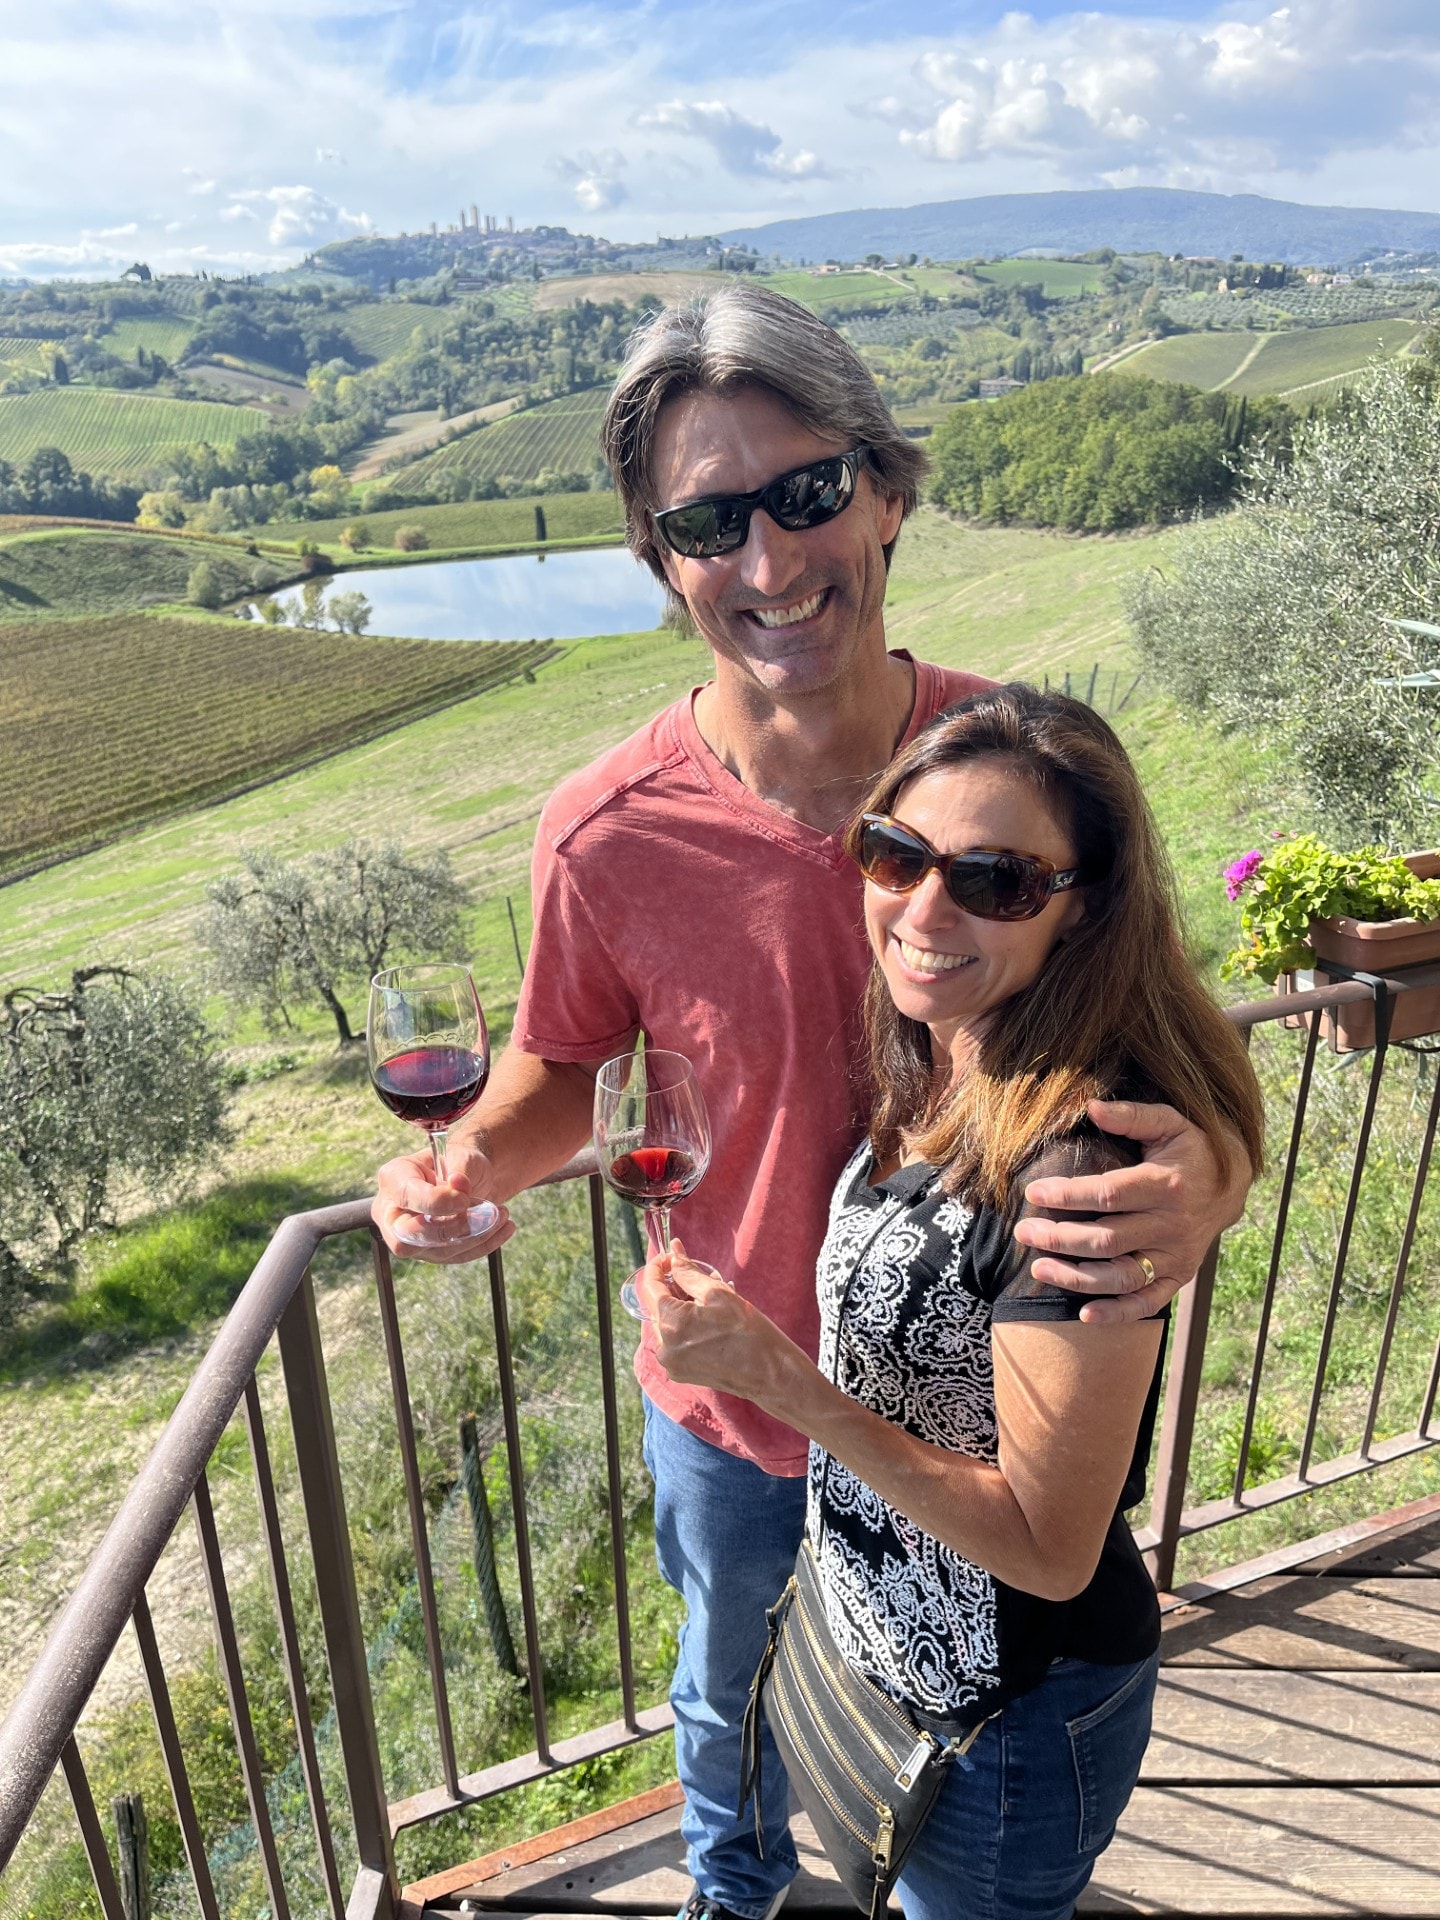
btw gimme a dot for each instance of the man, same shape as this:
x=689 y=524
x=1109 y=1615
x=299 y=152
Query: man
x=691 y=884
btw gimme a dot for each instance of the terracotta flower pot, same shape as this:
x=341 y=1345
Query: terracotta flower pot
x=1385 y=947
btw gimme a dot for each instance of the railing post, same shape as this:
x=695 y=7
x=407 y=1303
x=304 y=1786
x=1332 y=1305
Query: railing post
x=1177 y=1427
x=319 y=1469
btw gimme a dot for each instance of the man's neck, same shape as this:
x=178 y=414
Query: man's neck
x=813 y=756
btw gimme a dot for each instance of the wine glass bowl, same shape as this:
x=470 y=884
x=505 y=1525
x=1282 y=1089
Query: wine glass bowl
x=652 y=1137
x=429 y=1057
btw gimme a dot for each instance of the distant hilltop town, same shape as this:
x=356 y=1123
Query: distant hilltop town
x=480 y=247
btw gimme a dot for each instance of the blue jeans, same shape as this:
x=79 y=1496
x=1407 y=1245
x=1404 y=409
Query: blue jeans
x=726 y=1536
x=1021 y=1821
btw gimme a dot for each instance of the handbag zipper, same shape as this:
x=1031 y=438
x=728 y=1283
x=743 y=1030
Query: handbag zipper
x=839 y=1758
x=886 y=1754
x=878 y=1847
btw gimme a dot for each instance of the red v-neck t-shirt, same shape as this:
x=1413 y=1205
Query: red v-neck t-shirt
x=670 y=899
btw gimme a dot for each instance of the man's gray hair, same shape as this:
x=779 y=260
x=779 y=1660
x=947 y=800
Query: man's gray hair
x=745 y=336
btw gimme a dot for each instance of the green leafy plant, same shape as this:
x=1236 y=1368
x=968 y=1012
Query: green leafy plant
x=1301 y=880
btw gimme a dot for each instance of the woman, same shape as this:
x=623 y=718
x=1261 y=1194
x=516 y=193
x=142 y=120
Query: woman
x=973 y=1441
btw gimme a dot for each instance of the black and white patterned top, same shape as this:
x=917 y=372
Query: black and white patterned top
x=910 y=1282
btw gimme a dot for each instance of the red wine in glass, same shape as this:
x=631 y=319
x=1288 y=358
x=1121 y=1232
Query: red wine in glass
x=431 y=1086
x=652 y=1137
x=654 y=1176
x=429 y=1056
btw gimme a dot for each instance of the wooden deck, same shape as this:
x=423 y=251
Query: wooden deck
x=1294 y=1768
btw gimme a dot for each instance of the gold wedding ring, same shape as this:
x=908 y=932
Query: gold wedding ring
x=1146 y=1267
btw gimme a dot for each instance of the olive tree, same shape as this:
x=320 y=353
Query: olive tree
x=115 y=1078
x=282 y=933
x=1281 y=618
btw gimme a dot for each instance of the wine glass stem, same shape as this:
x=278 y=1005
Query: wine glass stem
x=662 y=1214
x=437 y=1154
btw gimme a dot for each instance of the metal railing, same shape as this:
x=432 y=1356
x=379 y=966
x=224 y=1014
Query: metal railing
x=1170 y=1520
x=39 y=1732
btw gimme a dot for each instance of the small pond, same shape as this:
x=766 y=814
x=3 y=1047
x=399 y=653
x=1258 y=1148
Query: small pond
x=554 y=596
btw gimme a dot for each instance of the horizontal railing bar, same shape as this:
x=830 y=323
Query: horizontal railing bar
x=1323 y=1473
x=526 y=1768
x=53 y=1696
x=1281 y=1006
x=1295 y=1553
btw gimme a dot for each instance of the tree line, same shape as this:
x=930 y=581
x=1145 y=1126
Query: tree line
x=1100 y=453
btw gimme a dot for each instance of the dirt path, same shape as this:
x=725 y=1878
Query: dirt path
x=413 y=441
x=1245 y=365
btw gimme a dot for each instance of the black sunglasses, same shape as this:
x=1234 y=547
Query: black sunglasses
x=805 y=497
x=989 y=882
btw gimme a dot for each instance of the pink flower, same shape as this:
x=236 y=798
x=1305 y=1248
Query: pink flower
x=1239 y=872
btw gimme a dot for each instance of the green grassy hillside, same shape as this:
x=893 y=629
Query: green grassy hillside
x=382 y=328
x=1292 y=362
x=474 y=523
x=1269 y=362
x=561 y=436
x=1055 y=278
x=86 y=571
x=126 y=434
x=156 y=334
x=816 y=290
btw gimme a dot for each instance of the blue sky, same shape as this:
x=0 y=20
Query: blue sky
x=238 y=135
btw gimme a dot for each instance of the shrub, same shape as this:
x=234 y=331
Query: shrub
x=284 y=931
x=112 y=1079
x=410 y=540
x=203 y=589
x=356 y=537
x=1281 y=620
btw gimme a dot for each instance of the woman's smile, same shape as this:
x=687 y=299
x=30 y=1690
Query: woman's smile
x=928 y=964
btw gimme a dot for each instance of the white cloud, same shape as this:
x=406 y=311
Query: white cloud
x=299 y=216
x=429 y=107
x=742 y=146
x=593 y=178
x=1117 y=98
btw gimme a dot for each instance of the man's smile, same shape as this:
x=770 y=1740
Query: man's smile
x=791 y=616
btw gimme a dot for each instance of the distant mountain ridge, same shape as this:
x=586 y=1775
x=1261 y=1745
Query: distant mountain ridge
x=1130 y=219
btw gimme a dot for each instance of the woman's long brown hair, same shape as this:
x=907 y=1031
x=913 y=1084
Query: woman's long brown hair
x=1117 y=1012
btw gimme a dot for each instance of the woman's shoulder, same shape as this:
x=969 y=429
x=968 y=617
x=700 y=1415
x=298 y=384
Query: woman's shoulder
x=1001 y=1264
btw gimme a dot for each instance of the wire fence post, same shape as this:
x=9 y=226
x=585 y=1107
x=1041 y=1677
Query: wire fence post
x=132 y=1839
x=497 y=1621
x=515 y=937
x=1090 y=690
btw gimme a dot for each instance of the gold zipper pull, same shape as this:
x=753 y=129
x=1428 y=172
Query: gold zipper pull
x=915 y=1762
x=884 y=1840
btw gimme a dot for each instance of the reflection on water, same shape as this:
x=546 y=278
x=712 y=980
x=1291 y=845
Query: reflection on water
x=556 y=596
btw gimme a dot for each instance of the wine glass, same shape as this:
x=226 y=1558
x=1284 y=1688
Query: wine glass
x=652 y=1138
x=429 y=1057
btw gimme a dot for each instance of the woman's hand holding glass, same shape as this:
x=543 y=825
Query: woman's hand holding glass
x=708 y=1335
